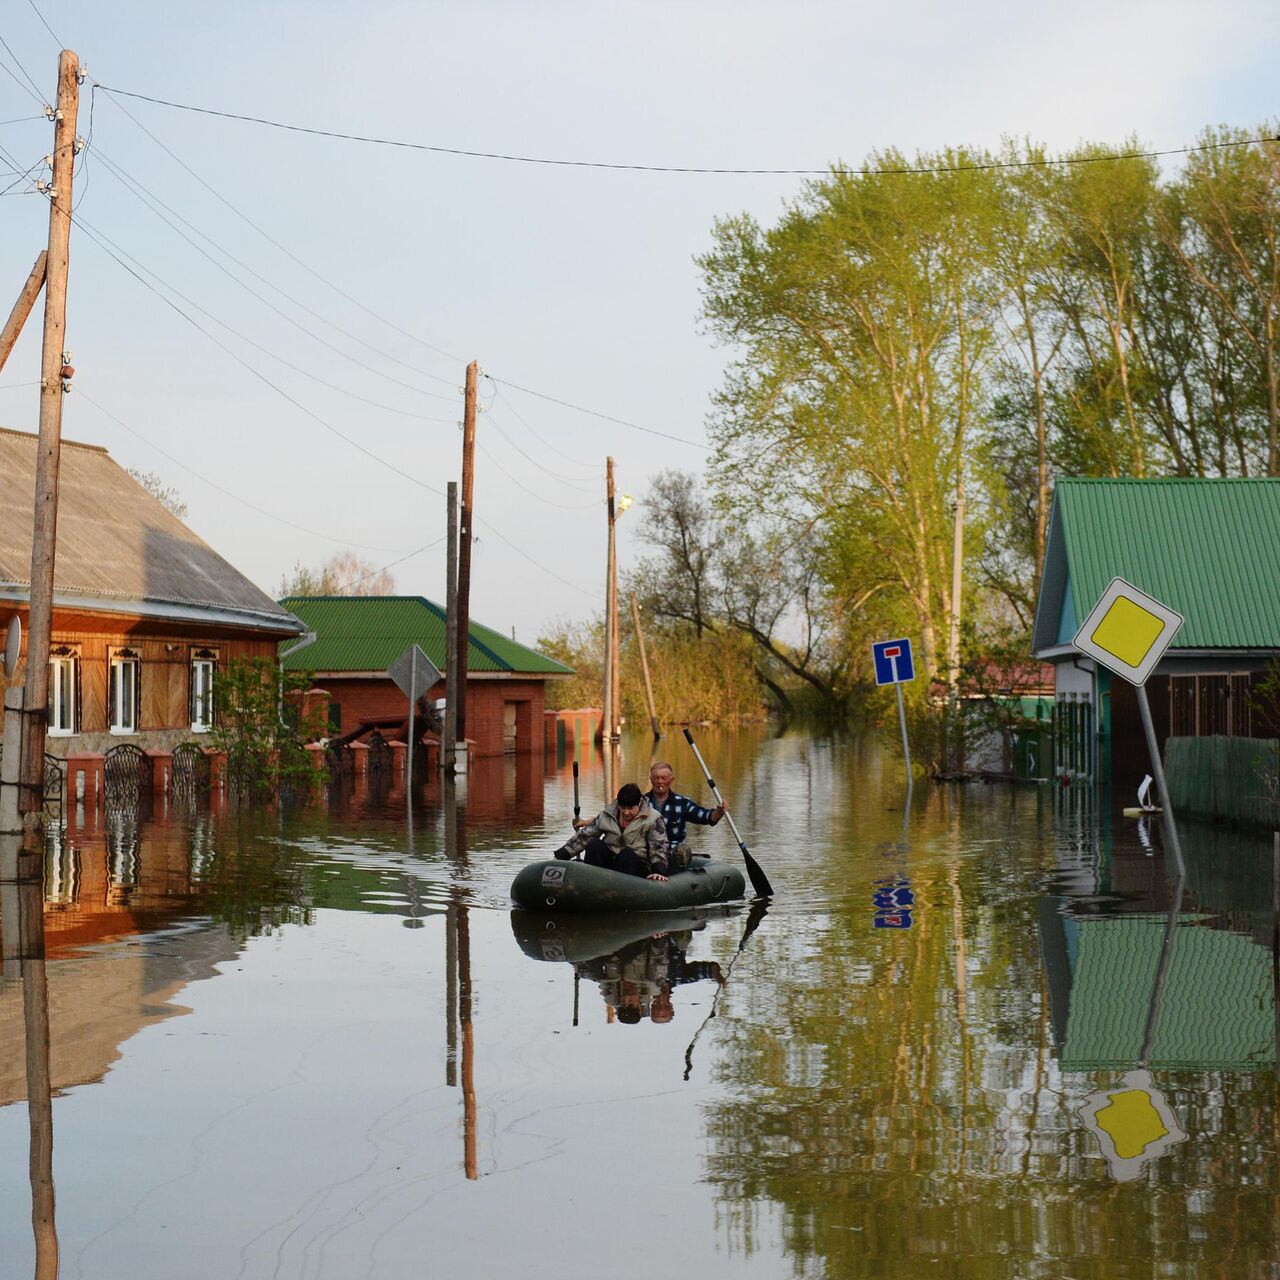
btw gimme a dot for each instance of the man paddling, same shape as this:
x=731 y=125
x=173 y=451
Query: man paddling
x=677 y=811
x=627 y=835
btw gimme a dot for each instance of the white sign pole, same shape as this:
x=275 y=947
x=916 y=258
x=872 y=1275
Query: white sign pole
x=1157 y=768
x=902 y=716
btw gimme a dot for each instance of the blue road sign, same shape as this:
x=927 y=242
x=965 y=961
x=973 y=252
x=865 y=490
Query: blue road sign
x=893 y=661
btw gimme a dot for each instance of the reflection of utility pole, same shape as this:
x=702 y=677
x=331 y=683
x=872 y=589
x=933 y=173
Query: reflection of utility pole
x=35 y=1016
x=468 y=1046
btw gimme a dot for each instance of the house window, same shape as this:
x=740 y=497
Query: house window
x=1208 y=704
x=123 y=689
x=64 y=689
x=204 y=663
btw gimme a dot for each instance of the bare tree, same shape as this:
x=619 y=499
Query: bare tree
x=167 y=496
x=342 y=574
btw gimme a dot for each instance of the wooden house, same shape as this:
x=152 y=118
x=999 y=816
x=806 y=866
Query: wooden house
x=145 y=612
x=1208 y=548
x=359 y=637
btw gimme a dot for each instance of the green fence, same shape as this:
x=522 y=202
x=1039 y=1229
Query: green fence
x=1236 y=779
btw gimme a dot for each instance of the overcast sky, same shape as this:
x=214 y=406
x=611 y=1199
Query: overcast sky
x=577 y=282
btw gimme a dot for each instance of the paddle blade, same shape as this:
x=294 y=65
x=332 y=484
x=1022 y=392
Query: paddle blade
x=755 y=873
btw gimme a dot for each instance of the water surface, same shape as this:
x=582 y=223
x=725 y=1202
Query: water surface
x=980 y=1037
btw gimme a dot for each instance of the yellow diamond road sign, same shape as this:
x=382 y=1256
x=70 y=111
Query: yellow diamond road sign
x=1128 y=631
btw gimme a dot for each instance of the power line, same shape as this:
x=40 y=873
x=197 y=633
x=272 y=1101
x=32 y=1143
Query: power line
x=393 y=563
x=270 y=239
x=47 y=27
x=546 y=444
x=577 y=484
x=244 y=217
x=622 y=422
x=35 y=88
x=864 y=171
x=20 y=120
x=151 y=201
x=533 y=493
x=213 y=484
x=94 y=236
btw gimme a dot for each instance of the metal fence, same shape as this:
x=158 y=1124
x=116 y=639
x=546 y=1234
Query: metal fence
x=1232 y=779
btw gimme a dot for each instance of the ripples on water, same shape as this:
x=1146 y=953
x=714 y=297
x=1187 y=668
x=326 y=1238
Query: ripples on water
x=982 y=1037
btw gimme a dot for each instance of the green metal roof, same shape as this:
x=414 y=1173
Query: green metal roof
x=1208 y=548
x=1216 y=1009
x=368 y=633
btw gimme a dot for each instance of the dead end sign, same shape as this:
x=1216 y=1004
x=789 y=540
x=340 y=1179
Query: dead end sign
x=1128 y=631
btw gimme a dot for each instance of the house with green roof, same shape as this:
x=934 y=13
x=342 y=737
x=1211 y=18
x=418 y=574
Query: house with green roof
x=1209 y=548
x=358 y=637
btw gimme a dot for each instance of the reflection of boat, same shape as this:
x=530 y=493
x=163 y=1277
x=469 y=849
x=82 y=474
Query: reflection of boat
x=587 y=936
x=557 y=887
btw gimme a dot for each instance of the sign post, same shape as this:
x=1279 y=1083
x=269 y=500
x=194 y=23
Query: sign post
x=894 y=666
x=414 y=673
x=1127 y=632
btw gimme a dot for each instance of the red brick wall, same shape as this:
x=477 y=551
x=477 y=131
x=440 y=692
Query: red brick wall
x=485 y=701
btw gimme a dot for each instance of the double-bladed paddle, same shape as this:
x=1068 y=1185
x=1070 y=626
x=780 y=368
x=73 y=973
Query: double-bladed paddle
x=759 y=881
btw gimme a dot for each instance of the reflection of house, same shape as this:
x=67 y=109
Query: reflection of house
x=1207 y=548
x=144 y=611
x=1216 y=1009
x=359 y=637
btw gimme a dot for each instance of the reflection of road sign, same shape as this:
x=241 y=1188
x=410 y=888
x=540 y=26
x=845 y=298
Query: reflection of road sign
x=1128 y=631
x=1133 y=1124
x=414 y=679
x=893 y=900
x=893 y=661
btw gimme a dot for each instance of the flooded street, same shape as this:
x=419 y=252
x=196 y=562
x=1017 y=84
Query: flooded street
x=321 y=1044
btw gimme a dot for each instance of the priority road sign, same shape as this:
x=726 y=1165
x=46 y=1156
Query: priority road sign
x=1133 y=1124
x=1128 y=631
x=893 y=661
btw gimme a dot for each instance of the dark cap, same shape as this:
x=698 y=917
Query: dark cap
x=629 y=794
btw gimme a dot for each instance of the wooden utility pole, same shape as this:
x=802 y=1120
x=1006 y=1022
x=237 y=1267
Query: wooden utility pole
x=49 y=448
x=610 y=603
x=22 y=308
x=464 y=543
x=449 y=744
x=644 y=667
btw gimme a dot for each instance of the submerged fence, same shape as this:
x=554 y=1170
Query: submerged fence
x=1236 y=779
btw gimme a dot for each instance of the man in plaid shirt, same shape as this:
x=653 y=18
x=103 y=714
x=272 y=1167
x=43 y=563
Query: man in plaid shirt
x=677 y=811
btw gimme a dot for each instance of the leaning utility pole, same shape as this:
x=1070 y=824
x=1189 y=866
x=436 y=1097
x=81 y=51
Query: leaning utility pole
x=54 y=382
x=22 y=308
x=644 y=668
x=607 y=733
x=449 y=745
x=464 y=543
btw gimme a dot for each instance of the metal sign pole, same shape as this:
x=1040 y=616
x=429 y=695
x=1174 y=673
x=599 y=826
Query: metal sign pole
x=902 y=718
x=1157 y=768
x=413 y=704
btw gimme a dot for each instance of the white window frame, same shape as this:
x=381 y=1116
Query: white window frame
x=202 y=706
x=116 y=689
x=61 y=709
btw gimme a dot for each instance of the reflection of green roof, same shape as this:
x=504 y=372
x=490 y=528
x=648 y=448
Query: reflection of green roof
x=1217 y=1009
x=368 y=633
x=1205 y=547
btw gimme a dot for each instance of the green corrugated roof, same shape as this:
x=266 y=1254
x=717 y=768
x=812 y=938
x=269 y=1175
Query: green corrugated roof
x=368 y=633
x=1207 y=548
x=1216 y=1010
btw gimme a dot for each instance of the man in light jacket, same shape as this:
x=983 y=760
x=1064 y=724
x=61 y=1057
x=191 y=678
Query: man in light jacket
x=627 y=835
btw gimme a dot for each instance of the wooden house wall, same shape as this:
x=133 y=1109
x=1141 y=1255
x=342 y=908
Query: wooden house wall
x=165 y=665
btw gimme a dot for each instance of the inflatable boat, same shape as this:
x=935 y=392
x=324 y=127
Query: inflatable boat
x=556 y=888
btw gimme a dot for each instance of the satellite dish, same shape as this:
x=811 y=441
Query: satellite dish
x=12 y=644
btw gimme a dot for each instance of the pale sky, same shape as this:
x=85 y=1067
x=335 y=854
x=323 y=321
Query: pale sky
x=577 y=282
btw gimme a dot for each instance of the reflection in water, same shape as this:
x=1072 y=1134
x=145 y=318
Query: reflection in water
x=22 y=884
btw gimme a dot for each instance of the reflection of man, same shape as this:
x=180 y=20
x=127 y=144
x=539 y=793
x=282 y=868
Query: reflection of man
x=637 y=981
x=627 y=835
x=677 y=811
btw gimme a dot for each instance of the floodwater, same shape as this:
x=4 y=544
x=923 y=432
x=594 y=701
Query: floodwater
x=981 y=1037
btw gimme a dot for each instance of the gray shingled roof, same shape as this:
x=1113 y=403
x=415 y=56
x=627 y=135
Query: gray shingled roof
x=119 y=548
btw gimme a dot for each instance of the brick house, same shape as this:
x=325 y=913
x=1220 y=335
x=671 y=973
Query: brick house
x=359 y=637
x=144 y=611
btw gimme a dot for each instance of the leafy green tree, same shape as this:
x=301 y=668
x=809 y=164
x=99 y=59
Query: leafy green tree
x=262 y=727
